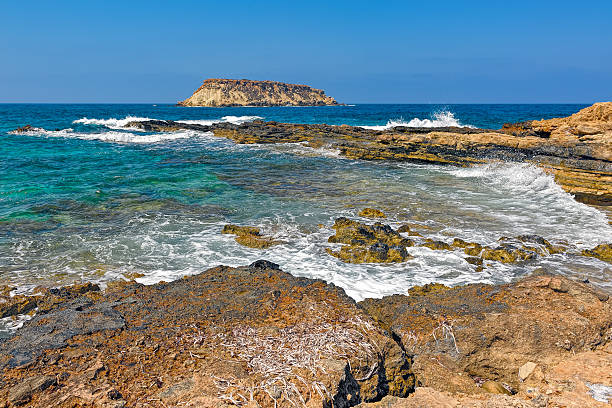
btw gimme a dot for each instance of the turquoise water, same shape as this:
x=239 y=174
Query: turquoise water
x=82 y=198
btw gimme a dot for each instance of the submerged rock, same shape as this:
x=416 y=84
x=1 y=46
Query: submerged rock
x=575 y=150
x=250 y=236
x=371 y=213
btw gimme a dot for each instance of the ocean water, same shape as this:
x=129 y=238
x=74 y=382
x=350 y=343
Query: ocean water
x=84 y=199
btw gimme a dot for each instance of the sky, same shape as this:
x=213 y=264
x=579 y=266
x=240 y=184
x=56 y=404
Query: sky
x=357 y=51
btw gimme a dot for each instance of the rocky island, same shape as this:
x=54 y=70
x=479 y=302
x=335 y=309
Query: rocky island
x=244 y=92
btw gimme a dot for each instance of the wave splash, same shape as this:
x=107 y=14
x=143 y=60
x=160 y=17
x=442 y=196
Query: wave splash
x=439 y=119
x=114 y=123
x=113 y=136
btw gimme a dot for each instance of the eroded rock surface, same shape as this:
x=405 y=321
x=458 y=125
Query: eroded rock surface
x=221 y=338
x=466 y=337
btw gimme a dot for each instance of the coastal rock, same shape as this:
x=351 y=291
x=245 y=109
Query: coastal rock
x=487 y=333
x=371 y=213
x=603 y=252
x=244 y=92
x=228 y=336
x=377 y=243
x=250 y=236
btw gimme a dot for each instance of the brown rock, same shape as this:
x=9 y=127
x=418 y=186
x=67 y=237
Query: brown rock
x=22 y=392
x=372 y=213
x=495 y=388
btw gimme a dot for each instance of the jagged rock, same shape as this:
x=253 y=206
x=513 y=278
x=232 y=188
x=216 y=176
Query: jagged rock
x=487 y=332
x=225 y=334
x=372 y=213
x=378 y=243
x=244 y=92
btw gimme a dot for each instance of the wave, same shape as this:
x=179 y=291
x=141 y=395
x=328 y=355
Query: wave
x=113 y=136
x=439 y=119
x=114 y=123
x=539 y=194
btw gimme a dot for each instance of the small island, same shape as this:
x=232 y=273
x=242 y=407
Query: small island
x=245 y=92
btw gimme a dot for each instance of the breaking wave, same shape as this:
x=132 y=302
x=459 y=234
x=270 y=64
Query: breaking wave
x=114 y=123
x=113 y=136
x=439 y=119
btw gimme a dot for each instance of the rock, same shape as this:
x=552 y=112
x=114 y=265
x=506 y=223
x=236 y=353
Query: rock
x=436 y=245
x=23 y=129
x=22 y=392
x=427 y=289
x=372 y=213
x=603 y=252
x=495 y=388
x=244 y=92
x=234 y=333
x=526 y=370
x=250 y=236
x=377 y=243
x=489 y=331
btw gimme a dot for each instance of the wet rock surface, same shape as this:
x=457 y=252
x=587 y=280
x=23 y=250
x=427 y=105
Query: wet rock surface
x=576 y=149
x=250 y=236
x=377 y=243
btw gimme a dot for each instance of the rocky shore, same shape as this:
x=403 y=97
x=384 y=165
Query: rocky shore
x=258 y=336
x=577 y=150
x=244 y=92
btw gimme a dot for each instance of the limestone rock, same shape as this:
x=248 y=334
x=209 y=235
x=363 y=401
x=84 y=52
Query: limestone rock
x=244 y=92
x=526 y=370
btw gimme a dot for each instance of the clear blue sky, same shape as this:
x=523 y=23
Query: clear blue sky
x=357 y=51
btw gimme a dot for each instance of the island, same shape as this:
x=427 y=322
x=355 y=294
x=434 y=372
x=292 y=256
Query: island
x=245 y=92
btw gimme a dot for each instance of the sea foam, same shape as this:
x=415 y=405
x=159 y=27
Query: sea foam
x=113 y=136
x=439 y=119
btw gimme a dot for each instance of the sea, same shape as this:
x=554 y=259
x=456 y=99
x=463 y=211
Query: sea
x=82 y=198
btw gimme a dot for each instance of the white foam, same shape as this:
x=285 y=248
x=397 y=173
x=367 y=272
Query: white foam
x=439 y=119
x=114 y=136
x=112 y=123
x=523 y=189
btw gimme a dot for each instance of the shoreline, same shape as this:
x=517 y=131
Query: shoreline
x=231 y=336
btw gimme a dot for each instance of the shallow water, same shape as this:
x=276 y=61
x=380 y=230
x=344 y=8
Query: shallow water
x=93 y=201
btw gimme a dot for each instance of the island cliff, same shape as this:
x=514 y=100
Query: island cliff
x=244 y=92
